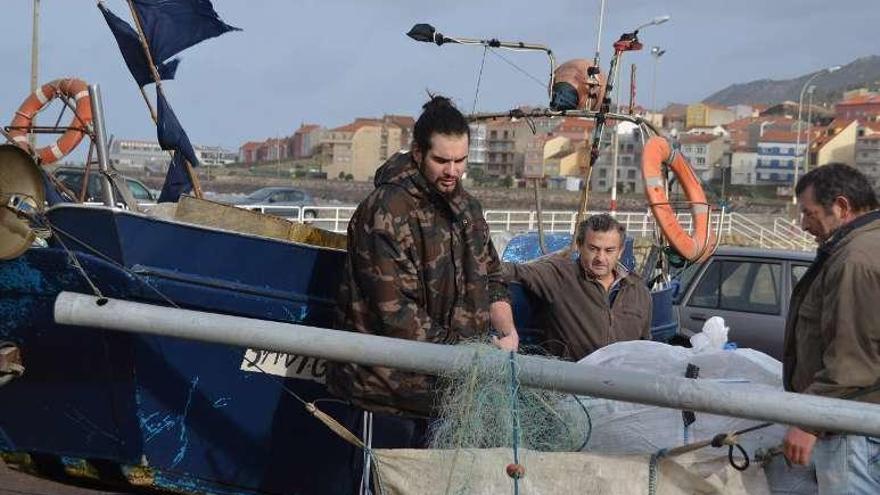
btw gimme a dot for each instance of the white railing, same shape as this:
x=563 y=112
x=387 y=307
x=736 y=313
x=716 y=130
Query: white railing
x=791 y=230
x=638 y=224
x=782 y=235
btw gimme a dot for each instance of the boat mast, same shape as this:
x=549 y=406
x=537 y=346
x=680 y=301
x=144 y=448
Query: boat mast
x=35 y=57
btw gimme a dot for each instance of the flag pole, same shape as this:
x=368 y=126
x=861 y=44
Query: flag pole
x=197 y=188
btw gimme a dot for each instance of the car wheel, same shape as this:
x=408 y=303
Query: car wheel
x=310 y=214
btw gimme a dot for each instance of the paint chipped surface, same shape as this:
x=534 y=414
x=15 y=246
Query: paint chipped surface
x=155 y=424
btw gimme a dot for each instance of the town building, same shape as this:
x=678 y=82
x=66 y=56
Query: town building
x=835 y=142
x=743 y=162
x=629 y=161
x=708 y=115
x=777 y=152
x=304 y=140
x=706 y=154
x=135 y=154
x=357 y=149
x=863 y=107
x=868 y=151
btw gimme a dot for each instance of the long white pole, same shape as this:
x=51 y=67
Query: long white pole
x=745 y=401
x=35 y=64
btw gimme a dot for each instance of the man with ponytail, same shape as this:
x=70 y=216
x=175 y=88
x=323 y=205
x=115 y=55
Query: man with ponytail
x=421 y=266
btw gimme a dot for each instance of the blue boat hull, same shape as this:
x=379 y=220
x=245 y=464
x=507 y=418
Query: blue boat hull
x=198 y=415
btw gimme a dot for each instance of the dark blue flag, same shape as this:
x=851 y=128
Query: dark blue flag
x=133 y=52
x=172 y=26
x=172 y=137
x=176 y=181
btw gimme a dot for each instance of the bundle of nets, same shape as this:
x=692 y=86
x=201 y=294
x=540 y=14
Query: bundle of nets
x=482 y=405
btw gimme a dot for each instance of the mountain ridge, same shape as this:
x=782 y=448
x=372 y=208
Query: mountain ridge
x=862 y=72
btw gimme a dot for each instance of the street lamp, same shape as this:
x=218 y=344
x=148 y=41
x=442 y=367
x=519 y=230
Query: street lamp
x=797 y=151
x=810 y=91
x=656 y=52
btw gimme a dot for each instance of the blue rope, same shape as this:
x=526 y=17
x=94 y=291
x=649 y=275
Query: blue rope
x=514 y=392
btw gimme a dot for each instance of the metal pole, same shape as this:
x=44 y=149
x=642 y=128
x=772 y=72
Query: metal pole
x=615 y=143
x=809 y=127
x=35 y=65
x=599 y=35
x=797 y=148
x=101 y=144
x=743 y=400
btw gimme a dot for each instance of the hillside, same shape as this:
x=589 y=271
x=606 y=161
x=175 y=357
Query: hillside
x=863 y=72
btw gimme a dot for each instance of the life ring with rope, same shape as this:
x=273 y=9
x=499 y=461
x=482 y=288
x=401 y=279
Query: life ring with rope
x=695 y=247
x=71 y=88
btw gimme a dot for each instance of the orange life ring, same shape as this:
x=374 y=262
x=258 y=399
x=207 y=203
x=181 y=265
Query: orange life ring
x=75 y=89
x=699 y=246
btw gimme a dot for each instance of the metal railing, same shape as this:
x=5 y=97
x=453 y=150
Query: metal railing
x=778 y=234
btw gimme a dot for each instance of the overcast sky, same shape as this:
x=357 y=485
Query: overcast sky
x=329 y=61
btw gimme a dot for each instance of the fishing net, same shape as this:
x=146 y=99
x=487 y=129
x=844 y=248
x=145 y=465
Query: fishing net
x=483 y=406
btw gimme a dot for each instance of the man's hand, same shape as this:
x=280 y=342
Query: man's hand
x=798 y=446
x=501 y=316
x=509 y=342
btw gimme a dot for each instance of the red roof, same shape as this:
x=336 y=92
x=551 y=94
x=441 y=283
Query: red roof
x=357 y=124
x=402 y=120
x=872 y=99
x=781 y=137
x=250 y=145
x=308 y=127
x=697 y=138
x=873 y=126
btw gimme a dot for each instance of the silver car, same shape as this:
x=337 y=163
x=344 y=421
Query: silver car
x=749 y=287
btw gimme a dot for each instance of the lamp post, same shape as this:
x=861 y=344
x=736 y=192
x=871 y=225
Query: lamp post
x=810 y=91
x=798 y=153
x=656 y=52
x=615 y=138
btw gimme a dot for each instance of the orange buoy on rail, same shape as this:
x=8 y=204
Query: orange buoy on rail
x=699 y=245
x=74 y=89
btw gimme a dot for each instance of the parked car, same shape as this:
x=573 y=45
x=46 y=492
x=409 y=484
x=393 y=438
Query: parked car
x=276 y=197
x=72 y=177
x=749 y=287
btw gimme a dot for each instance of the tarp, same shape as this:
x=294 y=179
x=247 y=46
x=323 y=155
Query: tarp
x=483 y=471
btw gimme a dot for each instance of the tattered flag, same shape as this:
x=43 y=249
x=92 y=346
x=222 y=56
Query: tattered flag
x=171 y=136
x=172 y=26
x=133 y=52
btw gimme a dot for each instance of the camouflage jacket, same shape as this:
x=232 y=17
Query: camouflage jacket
x=420 y=266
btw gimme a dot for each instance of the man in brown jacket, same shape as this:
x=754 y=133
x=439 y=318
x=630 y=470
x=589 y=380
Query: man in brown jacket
x=592 y=301
x=421 y=266
x=832 y=335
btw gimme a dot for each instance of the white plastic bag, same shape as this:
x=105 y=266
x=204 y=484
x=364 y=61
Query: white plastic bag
x=712 y=338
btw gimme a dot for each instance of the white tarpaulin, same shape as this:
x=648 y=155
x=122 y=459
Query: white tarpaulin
x=483 y=471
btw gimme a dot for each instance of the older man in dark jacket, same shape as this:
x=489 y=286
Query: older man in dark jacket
x=832 y=335
x=592 y=301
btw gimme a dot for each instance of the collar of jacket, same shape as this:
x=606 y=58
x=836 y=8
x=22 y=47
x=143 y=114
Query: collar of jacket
x=842 y=234
x=401 y=170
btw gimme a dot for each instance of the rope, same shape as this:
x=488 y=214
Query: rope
x=518 y=68
x=515 y=470
x=479 y=79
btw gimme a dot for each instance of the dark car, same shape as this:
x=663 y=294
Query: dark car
x=749 y=287
x=73 y=179
x=272 y=200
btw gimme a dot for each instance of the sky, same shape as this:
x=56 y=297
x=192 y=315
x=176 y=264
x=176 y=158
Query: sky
x=329 y=61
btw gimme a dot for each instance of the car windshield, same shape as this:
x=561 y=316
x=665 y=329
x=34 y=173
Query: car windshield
x=260 y=194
